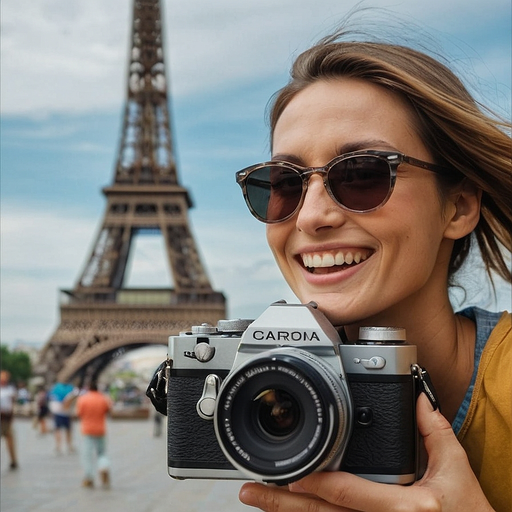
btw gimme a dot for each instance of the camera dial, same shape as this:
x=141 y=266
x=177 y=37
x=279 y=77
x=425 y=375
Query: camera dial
x=378 y=335
x=203 y=329
x=235 y=325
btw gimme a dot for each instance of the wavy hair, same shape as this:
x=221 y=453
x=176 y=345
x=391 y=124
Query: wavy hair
x=459 y=133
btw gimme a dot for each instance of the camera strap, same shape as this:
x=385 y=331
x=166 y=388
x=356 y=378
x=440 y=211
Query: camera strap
x=424 y=385
x=157 y=388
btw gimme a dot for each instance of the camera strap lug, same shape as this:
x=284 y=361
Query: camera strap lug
x=425 y=385
x=157 y=389
x=167 y=374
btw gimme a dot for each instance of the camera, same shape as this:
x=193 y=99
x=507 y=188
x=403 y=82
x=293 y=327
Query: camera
x=279 y=397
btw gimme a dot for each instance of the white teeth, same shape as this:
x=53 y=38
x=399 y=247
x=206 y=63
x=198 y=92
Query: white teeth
x=317 y=260
x=330 y=260
x=360 y=256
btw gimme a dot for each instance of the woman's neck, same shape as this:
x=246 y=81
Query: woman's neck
x=445 y=343
x=448 y=355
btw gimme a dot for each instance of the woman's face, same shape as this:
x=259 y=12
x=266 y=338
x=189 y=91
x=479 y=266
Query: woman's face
x=396 y=257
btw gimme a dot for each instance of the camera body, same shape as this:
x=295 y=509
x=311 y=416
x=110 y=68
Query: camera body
x=279 y=397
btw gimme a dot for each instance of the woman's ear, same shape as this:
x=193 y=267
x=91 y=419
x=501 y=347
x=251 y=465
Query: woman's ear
x=464 y=211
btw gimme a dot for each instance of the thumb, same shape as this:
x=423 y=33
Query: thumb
x=440 y=441
x=449 y=475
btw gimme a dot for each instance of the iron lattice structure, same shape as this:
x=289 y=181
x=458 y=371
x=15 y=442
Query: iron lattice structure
x=99 y=318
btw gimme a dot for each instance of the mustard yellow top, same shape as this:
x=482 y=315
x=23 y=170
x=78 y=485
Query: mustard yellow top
x=486 y=432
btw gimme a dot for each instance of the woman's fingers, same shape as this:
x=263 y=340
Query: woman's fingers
x=279 y=499
x=448 y=485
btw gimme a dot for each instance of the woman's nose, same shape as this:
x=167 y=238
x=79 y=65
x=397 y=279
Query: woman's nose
x=318 y=210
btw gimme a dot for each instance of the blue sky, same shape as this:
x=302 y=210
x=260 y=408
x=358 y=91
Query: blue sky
x=63 y=73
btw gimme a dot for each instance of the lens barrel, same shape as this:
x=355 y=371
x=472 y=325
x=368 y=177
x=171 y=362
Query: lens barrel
x=282 y=416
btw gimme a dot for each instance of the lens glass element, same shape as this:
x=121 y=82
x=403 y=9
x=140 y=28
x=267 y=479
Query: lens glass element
x=277 y=412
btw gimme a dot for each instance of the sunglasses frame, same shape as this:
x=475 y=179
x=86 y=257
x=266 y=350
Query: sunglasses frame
x=392 y=158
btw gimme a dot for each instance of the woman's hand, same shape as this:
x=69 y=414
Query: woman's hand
x=449 y=484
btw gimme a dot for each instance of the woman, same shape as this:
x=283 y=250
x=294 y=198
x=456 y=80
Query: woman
x=401 y=174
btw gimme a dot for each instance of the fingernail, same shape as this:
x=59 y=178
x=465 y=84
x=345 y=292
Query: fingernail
x=246 y=496
x=296 y=487
x=424 y=397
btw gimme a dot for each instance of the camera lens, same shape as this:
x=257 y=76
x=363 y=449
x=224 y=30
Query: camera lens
x=277 y=412
x=282 y=415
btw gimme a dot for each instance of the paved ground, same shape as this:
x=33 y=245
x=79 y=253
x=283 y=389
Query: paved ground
x=48 y=482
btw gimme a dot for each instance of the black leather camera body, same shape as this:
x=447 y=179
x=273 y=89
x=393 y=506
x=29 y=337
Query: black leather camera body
x=280 y=397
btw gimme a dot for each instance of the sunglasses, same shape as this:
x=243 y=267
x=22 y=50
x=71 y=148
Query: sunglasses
x=359 y=182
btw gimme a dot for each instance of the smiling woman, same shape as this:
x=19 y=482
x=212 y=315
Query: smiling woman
x=384 y=174
x=402 y=237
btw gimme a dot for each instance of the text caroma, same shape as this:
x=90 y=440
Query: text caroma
x=295 y=336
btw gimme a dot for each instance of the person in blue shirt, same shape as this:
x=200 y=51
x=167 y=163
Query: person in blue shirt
x=60 y=398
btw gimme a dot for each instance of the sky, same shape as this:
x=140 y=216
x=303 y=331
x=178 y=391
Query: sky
x=63 y=82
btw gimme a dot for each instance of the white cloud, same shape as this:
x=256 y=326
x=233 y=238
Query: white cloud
x=41 y=251
x=148 y=266
x=44 y=240
x=59 y=55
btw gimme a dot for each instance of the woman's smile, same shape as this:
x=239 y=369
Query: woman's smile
x=333 y=261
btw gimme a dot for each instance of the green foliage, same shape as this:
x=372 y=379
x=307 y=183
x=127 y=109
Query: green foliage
x=17 y=363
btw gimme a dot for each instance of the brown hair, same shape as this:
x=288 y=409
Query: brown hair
x=458 y=133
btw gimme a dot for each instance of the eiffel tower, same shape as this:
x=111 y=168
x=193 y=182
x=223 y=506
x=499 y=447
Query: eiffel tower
x=100 y=318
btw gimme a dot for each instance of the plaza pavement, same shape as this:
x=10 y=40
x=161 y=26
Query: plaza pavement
x=49 y=482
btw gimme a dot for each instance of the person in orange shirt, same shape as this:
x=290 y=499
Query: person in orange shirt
x=92 y=408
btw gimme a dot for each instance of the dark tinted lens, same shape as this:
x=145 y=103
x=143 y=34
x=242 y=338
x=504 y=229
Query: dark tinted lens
x=360 y=182
x=274 y=192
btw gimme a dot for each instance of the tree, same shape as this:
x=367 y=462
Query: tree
x=17 y=363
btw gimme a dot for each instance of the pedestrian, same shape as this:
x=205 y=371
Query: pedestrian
x=7 y=400
x=384 y=173
x=157 y=425
x=92 y=408
x=23 y=400
x=60 y=398
x=42 y=409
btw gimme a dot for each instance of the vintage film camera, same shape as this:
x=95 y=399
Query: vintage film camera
x=280 y=397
